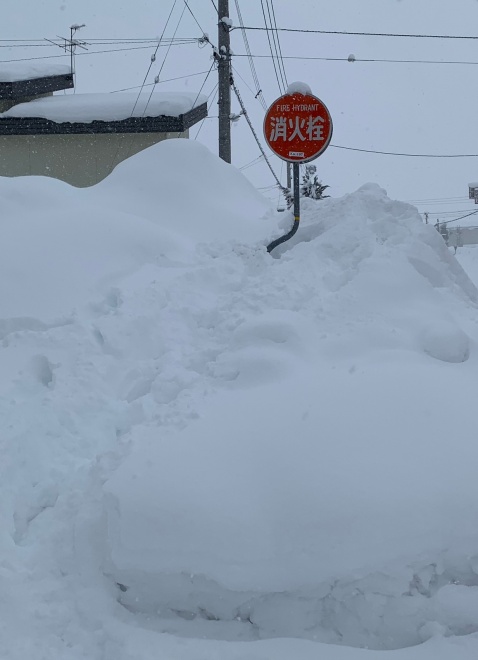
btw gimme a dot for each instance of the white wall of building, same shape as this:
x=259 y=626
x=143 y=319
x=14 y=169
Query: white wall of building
x=81 y=160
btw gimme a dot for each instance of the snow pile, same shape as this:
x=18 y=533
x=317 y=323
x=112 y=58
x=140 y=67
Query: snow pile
x=86 y=108
x=187 y=194
x=202 y=440
x=289 y=490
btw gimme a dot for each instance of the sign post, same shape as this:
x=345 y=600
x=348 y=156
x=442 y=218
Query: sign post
x=297 y=128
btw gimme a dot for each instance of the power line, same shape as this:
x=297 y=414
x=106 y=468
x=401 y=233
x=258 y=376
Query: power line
x=189 y=75
x=394 y=153
x=454 y=202
x=153 y=58
x=257 y=160
x=190 y=11
x=204 y=82
x=276 y=51
x=460 y=218
x=433 y=203
x=95 y=42
x=40 y=42
x=267 y=188
x=358 y=59
x=459 y=198
x=28 y=45
x=440 y=213
x=369 y=34
x=245 y=83
x=185 y=41
x=136 y=39
x=96 y=52
x=213 y=93
x=261 y=149
x=215 y=7
x=259 y=95
x=281 y=90
x=275 y=37
x=156 y=79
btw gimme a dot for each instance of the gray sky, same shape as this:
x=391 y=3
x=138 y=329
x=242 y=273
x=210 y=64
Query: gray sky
x=416 y=108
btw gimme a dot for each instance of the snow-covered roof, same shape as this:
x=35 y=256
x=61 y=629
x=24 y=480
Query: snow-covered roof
x=86 y=108
x=30 y=71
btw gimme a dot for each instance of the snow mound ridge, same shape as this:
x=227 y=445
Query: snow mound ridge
x=446 y=341
x=384 y=610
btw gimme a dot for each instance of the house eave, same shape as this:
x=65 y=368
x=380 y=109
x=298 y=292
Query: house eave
x=162 y=124
x=19 y=89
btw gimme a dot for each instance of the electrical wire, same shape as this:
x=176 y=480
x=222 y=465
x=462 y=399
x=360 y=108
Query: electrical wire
x=440 y=213
x=153 y=58
x=278 y=41
x=245 y=82
x=394 y=153
x=204 y=82
x=276 y=52
x=19 y=43
x=257 y=160
x=190 y=11
x=212 y=94
x=447 y=222
x=261 y=149
x=186 y=41
x=460 y=198
x=259 y=95
x=277 y=48
x=96 y=52
x=156 y=79
x=281 y=90
x=432 y=203
x=357 y=59
x=90 y=42
x=189 y=75
x=368 y=34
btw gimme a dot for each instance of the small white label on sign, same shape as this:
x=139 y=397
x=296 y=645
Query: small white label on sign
x=296 y=154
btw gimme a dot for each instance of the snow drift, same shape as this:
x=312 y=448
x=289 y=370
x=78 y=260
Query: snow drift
x=322 y=455
x=202 y=440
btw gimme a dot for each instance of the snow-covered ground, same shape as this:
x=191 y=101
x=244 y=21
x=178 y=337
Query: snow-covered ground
x=214 y=453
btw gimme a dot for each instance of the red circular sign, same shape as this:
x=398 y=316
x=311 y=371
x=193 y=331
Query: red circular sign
x=298 y=127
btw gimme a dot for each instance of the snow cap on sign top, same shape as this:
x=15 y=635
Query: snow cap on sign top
x=299 y=88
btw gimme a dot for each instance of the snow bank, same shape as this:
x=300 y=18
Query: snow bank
x=201 y=440
x=324 y=477
x=86 y=108
x=182 y=186
x=154 y=208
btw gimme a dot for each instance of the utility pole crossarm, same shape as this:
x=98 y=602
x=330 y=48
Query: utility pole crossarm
x=224 y=71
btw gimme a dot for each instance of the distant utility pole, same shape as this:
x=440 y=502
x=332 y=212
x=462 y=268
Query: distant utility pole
x=224 y=71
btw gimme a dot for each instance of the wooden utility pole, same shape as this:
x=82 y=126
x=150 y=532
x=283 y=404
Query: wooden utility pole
x=224 y=71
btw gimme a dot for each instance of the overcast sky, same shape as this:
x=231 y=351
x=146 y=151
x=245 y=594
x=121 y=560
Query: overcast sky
x=394 y=107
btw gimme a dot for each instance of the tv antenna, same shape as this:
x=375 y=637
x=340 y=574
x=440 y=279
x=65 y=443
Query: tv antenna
x=70 y=45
